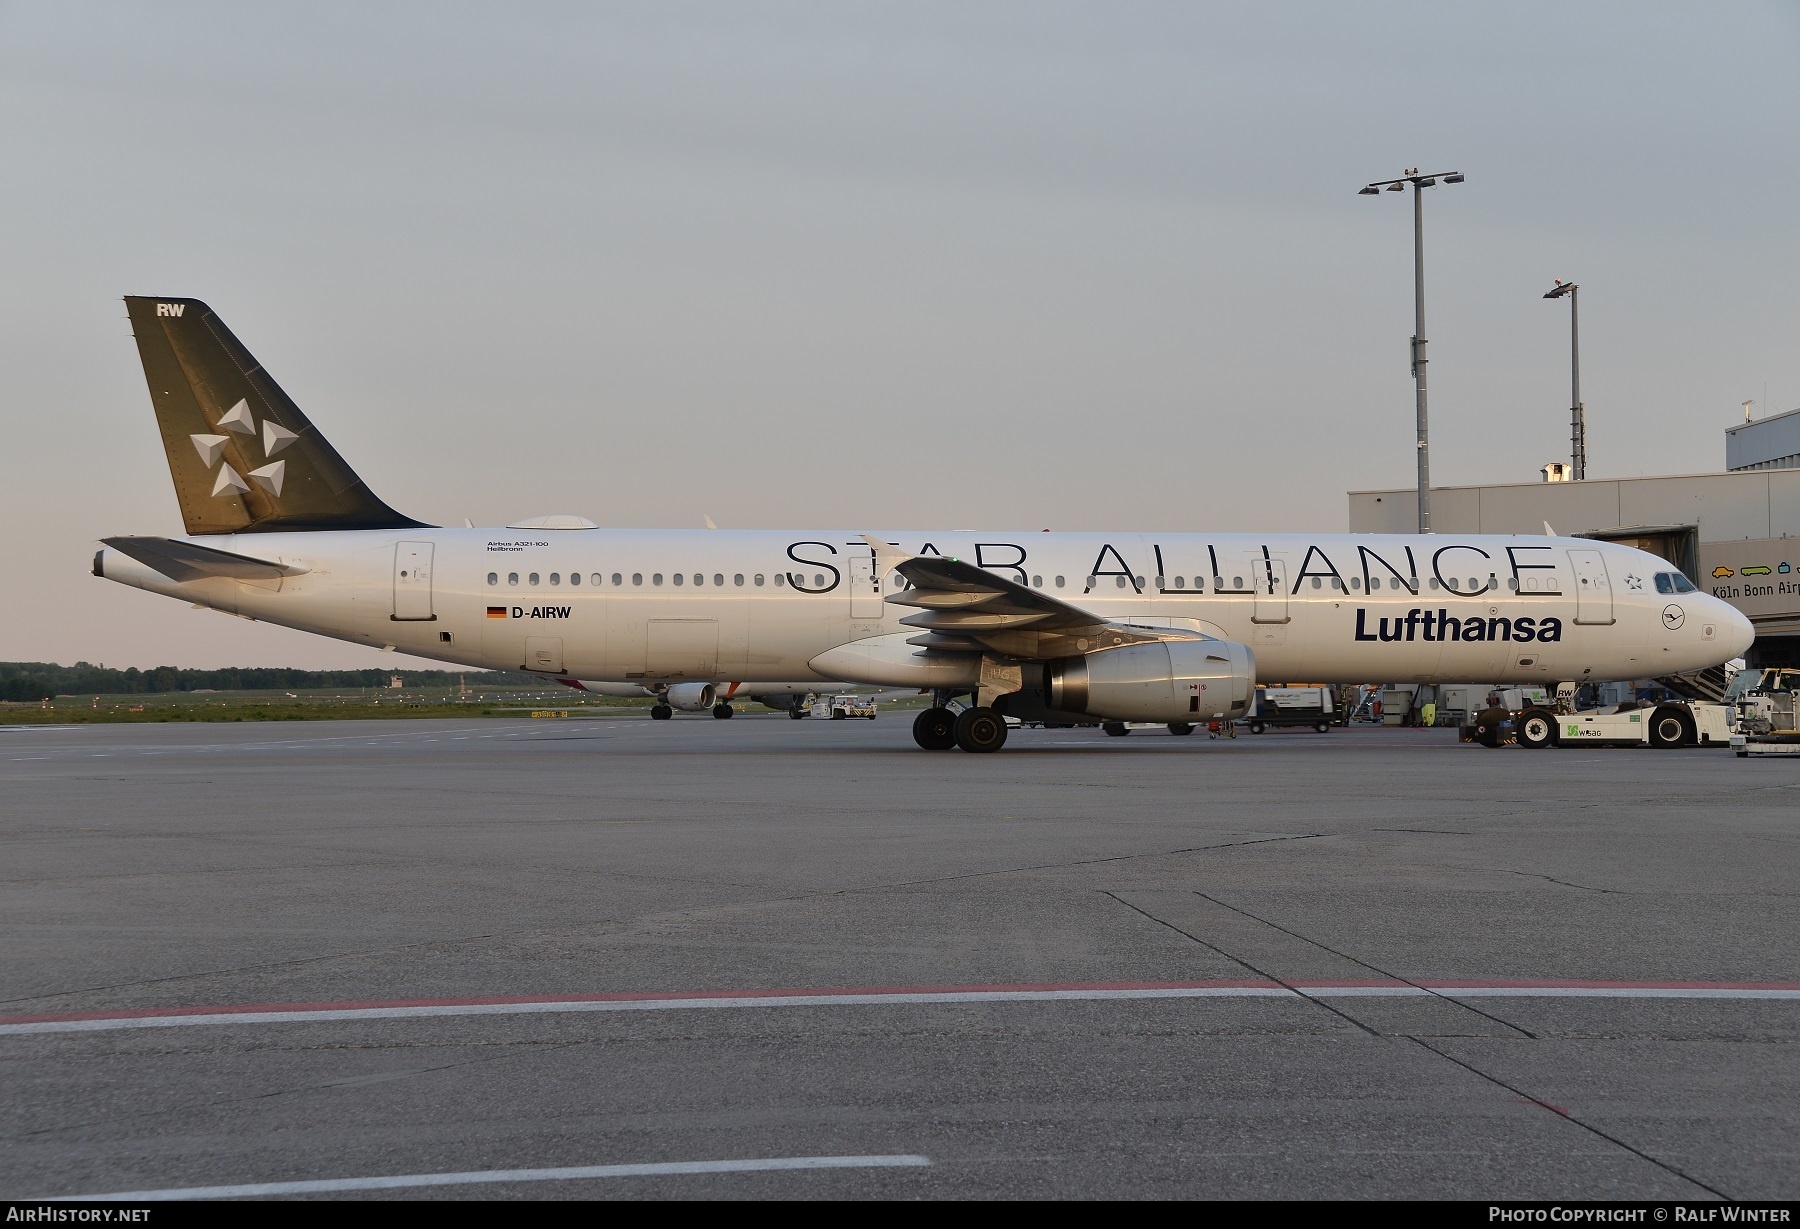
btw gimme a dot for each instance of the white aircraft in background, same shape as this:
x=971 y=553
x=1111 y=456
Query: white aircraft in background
x=791 y=697
x=1055 y=627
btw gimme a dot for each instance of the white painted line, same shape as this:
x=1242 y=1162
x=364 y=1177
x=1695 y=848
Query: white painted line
x=1614 y=992
x=558 y=1007
x=323 y=1012
x=258 y=1190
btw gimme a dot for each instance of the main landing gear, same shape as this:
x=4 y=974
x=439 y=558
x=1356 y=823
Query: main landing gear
x=980 y=729
x=661 y=712
x=935 y=729
x=973 y=729
x=722 y=711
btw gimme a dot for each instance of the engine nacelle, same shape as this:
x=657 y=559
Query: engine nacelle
x=690 y=697
x=786 y=701
x=1173 y=680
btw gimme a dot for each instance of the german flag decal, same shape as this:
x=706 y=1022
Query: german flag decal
x=496 y=612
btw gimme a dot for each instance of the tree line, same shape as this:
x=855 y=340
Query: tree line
x=38 y=680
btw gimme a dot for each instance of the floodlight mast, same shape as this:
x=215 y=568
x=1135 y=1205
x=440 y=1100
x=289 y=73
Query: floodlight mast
x=1577 y=412
x=1419 y=184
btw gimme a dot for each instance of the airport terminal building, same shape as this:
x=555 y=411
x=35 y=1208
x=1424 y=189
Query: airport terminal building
x=1736 y=534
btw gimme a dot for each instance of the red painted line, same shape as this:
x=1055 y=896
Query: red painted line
x=653 y=996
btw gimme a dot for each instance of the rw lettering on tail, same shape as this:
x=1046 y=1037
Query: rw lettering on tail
x=170 y=309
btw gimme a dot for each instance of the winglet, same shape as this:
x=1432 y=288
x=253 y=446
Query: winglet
x=887 y=555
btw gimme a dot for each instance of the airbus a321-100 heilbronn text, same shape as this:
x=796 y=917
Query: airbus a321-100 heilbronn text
x=1056 y=627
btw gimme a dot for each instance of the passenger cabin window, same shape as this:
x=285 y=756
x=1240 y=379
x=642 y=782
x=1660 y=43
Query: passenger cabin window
x=759 y=579
x=719 y=579
x=1037 y=582
x=556 y=578
x=679 y=579
x=618 y=579
x=1181 y=582
x=512 y=578
x=656 y=578
x=780 y=580
x=534 y=578
x=637 y=578
x=574 y=578
x=494 y=578
x=1059 y=582
x=738 y=579
x=1199 y=584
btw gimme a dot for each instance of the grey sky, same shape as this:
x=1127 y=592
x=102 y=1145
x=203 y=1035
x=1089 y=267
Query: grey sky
x=1011 y=265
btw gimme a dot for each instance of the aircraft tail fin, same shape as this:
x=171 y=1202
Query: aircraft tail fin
x=243 y=456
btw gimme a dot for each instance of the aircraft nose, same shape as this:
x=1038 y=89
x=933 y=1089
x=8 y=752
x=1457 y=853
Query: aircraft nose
x=1735 y=631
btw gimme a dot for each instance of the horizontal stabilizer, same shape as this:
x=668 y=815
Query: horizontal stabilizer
x=184 y=561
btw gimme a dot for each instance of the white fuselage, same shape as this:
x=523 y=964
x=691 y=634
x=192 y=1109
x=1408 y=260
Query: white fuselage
x=769 y=605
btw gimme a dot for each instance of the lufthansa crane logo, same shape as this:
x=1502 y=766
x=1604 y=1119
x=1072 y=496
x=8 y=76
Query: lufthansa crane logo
x=1673 y=617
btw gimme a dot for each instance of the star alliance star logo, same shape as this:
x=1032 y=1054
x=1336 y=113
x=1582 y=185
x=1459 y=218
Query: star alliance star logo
x=1634 y=582
x=239 y=421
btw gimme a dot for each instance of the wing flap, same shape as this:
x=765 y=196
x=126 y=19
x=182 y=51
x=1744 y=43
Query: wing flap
x=966 y=609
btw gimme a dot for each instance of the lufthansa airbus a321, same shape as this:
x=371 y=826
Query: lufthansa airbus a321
x=1054 y=627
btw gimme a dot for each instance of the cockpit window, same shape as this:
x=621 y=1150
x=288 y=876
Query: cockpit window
x=1673 y=582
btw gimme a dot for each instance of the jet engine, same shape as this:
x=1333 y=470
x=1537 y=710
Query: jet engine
x=690 y=697
x=1169 y=681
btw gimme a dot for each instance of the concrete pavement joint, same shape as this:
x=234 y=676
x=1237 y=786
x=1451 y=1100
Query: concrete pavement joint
x=1365 y=964
x=1569 y=1116
x=1239 y=960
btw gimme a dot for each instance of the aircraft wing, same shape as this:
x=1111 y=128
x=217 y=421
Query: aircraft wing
x=967 y=609
x=185 y=561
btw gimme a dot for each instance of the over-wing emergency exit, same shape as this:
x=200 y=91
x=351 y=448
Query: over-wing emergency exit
x=1053 y=627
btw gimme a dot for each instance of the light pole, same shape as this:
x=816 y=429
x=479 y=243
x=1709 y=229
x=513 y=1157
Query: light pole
x=1419 y=184
x=1577 y=414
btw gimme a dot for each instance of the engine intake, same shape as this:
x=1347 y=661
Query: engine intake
x=1172 y=680
x=690 y=697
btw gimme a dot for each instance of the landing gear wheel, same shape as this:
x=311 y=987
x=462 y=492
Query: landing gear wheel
x=1323 y=727
x=798 y=714
x=661 y=712
x=980 y=729
x=1537 y=728
x=1669 y=728
x=1114 y=729
x=1180 y=727
x=722 y=711
x=935 y=729
x=1487 y=726
x=1257 y=727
